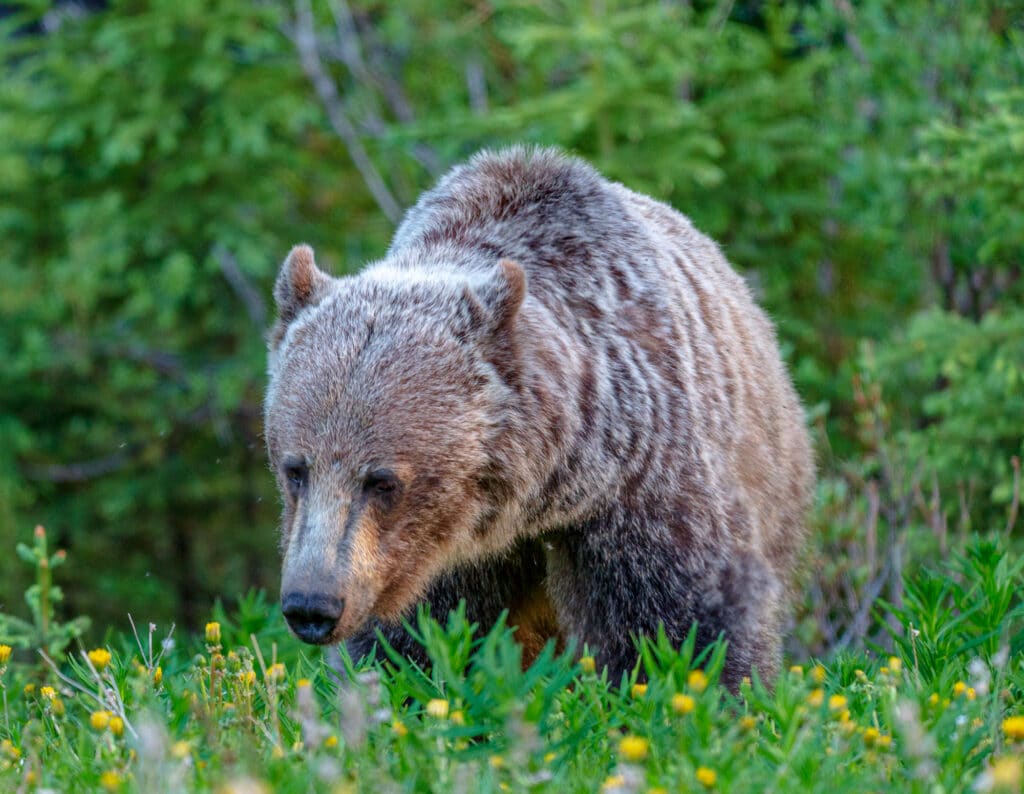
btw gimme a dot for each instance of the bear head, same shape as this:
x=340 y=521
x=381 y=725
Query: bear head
x=388 y=393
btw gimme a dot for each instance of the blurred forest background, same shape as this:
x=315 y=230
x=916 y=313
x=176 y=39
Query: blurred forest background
x=862 y=163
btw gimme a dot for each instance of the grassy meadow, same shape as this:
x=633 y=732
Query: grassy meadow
x=241 y=709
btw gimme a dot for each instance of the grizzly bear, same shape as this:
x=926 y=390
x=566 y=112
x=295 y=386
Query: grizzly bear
x=553 y=396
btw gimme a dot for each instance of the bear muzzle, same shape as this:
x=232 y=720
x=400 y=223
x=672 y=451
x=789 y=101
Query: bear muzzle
x=312 y=616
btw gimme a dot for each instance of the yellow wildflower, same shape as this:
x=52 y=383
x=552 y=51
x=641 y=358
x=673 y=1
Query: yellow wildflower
x=458 y=718
x=638 y=690
x=158 y=675
x=1013 y=727
x=399 y=729
x=496 y=761
x=883 y=670
x=247 y=677
x=871 y=736
x=549 y=757
x=706 y=777
x=213 y=633
x=883 y=742
x=1007 y=773
x=634 y=748
x=276 y=672
x=797 y=669
x=302 y=682
x=683 y=704
x=697 y=681
x=837 y=703
x=895 y=664
x=100 y=720
x=29 y=689
x=587 y=664
x=971 y=694
x=816 y=698
x=861 y=676
x=181 y=749
x=116 y=726
x=48 y=692
x=331 y=742
x=100 y=658
x=438 y=708
x=58 y=707
x=110 y=780
x=613 y=782
x=818 y=674
x=8 y=749
x=5 y=654
x=748 y=723
x=933 y=698
x=959 y=688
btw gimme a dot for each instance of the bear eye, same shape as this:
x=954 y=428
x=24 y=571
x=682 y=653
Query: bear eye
x=296 y=476
x=381 y=483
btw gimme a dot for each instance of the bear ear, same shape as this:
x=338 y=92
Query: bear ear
x=495 y=303
x=299 y=284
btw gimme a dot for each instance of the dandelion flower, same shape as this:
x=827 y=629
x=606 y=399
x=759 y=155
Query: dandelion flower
x=638 y=690
x=971 y=693
x=331 y=742
x=613 y=782
x=818 y=674
x=706 y=777
x=587 y=664
x=871 y=736
x=5 y=654
x=959 y=688
x=116 y=726
x=634 y=748
x=683 y=704
x=1013 y=728
x=883 y=742
x=181 y=749
x=1007 y=773
x=213 y=633
x=100 y=720
x=48 y=692
x=895 y=664
x=110 y=780
x=458 y=717
x=816 y=698
x=496 y=762
x=276 y=672
x=697 y=681
x=398 y=728
x=100 y=658
x=438 y=708
x=8 y=749
x=748 y=723
x=158 y=675
x=837 y=703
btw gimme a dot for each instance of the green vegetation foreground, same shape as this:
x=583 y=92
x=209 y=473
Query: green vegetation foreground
x=229 y=712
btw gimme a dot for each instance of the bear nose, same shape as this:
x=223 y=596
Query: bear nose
x=312 y=616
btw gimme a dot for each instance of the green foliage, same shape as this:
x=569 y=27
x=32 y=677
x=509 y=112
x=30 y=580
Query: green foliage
x=44 y=631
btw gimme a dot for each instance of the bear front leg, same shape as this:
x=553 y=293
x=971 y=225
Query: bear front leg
x=512 y=581
x=621 y=576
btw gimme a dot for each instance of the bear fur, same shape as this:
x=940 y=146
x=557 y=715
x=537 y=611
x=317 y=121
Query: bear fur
x=554 y=396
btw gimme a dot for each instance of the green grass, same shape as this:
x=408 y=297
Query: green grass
x=247 y=709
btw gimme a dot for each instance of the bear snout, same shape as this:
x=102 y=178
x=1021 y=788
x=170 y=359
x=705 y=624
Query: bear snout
x=312 y=616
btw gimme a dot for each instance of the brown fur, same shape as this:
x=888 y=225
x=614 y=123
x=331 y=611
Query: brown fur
x=577 y=402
